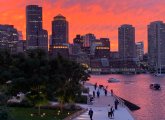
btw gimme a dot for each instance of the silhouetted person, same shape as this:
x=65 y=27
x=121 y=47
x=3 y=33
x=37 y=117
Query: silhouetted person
x=111 y=92
x=98 y=94
x=116 y=104
x=91 y=99
x=105 y=91
x=95 y=86
x=109 y=111
x=93 y=94
x=112 y=112
x=90 y=113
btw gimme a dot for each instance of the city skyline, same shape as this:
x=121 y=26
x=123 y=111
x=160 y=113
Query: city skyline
x=103 y=18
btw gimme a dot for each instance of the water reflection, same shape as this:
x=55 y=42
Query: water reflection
x=135 y=88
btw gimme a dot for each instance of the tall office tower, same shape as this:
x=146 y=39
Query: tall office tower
x=33 y=25
x=59 y=30
x=139 y=51
x=88 y=39
x=156 y=44
x=43 y=42
x=126 y=39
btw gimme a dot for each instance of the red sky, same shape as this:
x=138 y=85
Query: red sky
x=101 y=17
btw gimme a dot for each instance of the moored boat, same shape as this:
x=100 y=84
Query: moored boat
x=112 y=80
x=155 y=86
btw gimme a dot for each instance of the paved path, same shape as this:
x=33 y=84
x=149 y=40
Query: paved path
x=100 y=109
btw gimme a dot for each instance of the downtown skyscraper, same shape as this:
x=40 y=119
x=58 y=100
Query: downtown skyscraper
x=59 y=30
x=36 y=36
x=126 y=40
x=156 y=44
x=139 y=50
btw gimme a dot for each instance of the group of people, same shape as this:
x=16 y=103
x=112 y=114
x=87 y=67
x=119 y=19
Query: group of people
x=98 y=88
x=110 y=108
x=110 y=111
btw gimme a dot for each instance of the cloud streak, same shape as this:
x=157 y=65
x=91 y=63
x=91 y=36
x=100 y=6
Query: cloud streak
x=101 y=17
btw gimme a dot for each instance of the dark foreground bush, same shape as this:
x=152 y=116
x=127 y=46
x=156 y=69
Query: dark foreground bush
x=81 y=99
x=24 y=103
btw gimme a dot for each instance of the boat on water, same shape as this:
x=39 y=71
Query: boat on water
x=113 y=80
x=155 y=86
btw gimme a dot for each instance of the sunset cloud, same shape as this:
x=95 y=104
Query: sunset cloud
x=101 y=17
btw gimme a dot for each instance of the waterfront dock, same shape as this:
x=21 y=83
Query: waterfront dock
x=100 y=107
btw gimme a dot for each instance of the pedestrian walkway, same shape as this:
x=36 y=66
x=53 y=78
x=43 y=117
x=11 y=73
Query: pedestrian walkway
x=100 y=110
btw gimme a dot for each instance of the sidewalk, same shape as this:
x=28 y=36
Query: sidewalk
x=100 y=105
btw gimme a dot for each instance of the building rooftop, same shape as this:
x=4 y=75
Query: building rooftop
x=59 y=17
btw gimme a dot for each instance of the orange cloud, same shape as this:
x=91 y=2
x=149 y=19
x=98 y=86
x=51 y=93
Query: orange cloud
x=101 y=17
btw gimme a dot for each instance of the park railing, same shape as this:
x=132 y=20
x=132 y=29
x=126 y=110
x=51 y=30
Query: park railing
x=121 y=102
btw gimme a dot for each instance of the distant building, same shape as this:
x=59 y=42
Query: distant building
x=105 y=42
x=33 y=25
x=114 y=55
x=20 y=35
x=8 y=33
x=88 y=39
x=102 y=52
x=75 y=49
x=21 y=46
x=78 y=40
x=95 y=43
x=62 y=50
x=99 y=66
x=139 y=51
x=126 y=38
x=8 y=38
x=43 y=42
x=156 y=44
x=125 y=67
x=60 y=30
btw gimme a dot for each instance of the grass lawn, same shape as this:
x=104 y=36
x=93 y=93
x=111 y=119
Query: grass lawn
x=25 y=114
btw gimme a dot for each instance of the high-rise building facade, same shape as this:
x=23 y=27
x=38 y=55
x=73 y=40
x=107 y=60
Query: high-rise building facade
x=36 y=36
x=126 y=40
x=8 y=33
x=88 y=39
x=33 y=25
x=156 y=44
x=59 y=30
x=78 y=40
x=8 y=38
x=43 y=42
x=105 y=42
x=139 y=51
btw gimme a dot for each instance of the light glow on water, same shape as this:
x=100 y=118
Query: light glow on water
x=135 y=88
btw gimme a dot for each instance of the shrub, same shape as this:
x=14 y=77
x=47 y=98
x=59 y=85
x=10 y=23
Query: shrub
x=24 y=103
x=81 y=99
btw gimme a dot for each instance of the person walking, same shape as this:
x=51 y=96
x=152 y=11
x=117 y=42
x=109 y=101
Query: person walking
x=116 y=104
x=111 y=92
x=93 y=94
x=95 y=86
x=105 y=91
x=98 y=93
x=90 y=113
x=109 y=111
x=112 y=112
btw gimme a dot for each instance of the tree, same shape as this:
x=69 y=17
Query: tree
x=68 y=75
x=32 y=76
